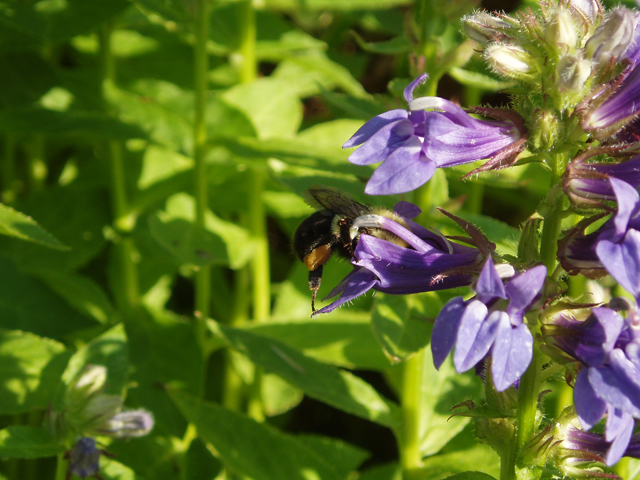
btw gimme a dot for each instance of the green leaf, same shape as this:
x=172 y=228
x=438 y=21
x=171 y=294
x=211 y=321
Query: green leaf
x=109 y=350
x=343 y=340
x=220 y=242
x=504 y=236
x=20 y=441
x=478 y=80
x=309 y=74
x=27 y=304
x=30 y=371
x=470 y=476
x=398 y=332
x=478 y=460
x=80 y=292
x=163 y=349
x=396 y=45
x=270 y=104
x=447 y=388
x=277 y=395
x=76 y=124
x=342 y=456
x=336 y=4
x=328 y=384
x=30 y=24
x=111 y=469
x=16 y=224
x=273 y=454
x=26 y=76
x=58 y=210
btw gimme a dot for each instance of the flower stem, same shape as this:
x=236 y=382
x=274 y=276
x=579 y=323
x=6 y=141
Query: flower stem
x=201 y=67
x=248 y=67
x=553 y=214
x=9 y=169
x=412 y=412
x=61 y=467
x=123 y=220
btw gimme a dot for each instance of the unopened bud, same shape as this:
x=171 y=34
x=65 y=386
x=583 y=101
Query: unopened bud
x=561 y=32
x=96 y=412
x=573 y=72
x=484 y=27
x=90 y=383
x=510 y=60
x=545 y=130
x=130 y=423
x=611 y=39
x=587 y=10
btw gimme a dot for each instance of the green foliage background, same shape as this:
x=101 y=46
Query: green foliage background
x=85 y=84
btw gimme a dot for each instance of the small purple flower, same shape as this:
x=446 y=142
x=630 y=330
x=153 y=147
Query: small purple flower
x=608 y=346
x=493 y=320
x=578 y=451
x=430 y=262
x=84 y=459
x=615 y=105
x=618 y=244
x=589 y=182
x=615 y=246
x=433 y=133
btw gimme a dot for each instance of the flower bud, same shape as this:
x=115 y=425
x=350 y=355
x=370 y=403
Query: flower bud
x=573 y=72
x=586 y=14
x=612 y=38
x=510 y=60
x=484 y=27
x=544 y=131
x=130 y=423
x=89 y=384
x=561 y=32
x=96 y=412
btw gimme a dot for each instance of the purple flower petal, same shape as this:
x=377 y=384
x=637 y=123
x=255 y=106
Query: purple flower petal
x=445 y=330
x=475 y=335
x=407 y=209
x=383 y=143
x=511 y=353
x=403 y=270
x=366 y=131
x=628 y=201
x=589 y=407
x=621 y=442
x=489 y=285
x=522 y=290
x=404 y=170
x=408 y=91
x=617 y=383
x=356 y=283
x=622 y=260
x=616 y=422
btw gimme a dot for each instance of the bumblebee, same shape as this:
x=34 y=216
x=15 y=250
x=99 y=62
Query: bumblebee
x=336 y=228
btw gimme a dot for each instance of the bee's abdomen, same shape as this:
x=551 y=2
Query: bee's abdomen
x=313 y=232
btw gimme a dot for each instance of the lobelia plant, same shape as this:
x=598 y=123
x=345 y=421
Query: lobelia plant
x=575 y=102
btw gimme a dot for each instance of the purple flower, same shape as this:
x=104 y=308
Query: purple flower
x=615 y=105
x=84 y=458
x=618 y=245
x=579 y=450
x=589 y=182
x=615 y=246
x=430 y=262
x=608 y=346
x=433 y=133
x=493 y=320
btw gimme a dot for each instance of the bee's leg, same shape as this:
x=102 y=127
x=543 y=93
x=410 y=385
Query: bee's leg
x=345 y=235
x=315 y=277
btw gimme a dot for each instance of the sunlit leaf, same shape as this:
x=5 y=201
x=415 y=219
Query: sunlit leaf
x=18 y=225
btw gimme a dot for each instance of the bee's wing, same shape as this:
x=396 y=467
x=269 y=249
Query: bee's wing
x=335 y=201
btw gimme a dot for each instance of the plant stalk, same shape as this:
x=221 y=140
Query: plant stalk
x=412 y=413
x=123 y=220
x=201 y=68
